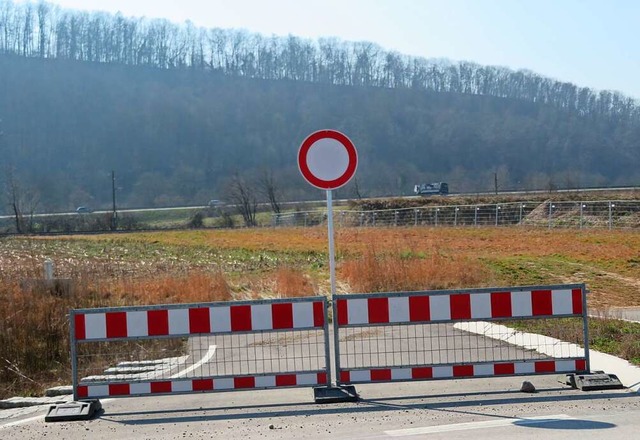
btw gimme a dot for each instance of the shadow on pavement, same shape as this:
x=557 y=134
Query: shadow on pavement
x=569 y=424
x=464 y=400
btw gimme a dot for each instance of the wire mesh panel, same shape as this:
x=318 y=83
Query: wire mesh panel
x=298 y=219
x=200 y=347
x=547 y=214
x=447 y=334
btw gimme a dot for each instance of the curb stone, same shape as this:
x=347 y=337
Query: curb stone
x=64 y=390
x=22 y=402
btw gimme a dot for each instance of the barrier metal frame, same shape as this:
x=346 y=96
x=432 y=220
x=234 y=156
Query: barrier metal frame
x=454 y=371
x=289 y=379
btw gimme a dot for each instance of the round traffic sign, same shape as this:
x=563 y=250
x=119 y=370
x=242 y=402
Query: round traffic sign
x=327 y=159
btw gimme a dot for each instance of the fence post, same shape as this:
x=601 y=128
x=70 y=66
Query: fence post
x=585 y=328
x=415 y=217
x=498 y=208
x=551 y=206
x=336 y=340
x=520 y=217
x=437 y=211
x=306 y=216
x=74 y=357
x=455 y=217
x=475 y=217
x=327 y=345
x=48 y=269
x=395 y=218
x=361 y=219
x=611 y=205
x=375 y=215
x=582 y=206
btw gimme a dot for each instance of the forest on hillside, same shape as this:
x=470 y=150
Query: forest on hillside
x=44 y=30
x=180 y=112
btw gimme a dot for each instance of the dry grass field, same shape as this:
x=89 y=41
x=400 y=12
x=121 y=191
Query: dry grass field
x=195 y=266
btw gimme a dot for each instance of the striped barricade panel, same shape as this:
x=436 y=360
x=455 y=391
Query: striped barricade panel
x=184 y=348
x=424 y=335
x=185 y=320
x=466 y=305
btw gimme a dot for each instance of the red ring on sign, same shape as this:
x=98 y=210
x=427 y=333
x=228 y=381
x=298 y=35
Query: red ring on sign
x=304 y=167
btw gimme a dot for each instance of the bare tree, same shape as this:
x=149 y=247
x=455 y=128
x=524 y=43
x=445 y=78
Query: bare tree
x=501 y=178
x=356 y=188
x=43 y=18
x=243 y=197
x=22 y=202
x=269 y=189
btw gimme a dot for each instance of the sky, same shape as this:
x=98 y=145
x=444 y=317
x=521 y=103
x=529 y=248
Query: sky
x=592 y=43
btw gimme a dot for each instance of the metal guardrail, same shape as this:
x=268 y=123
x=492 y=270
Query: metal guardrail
x=451 y=334
x=581 y=215
x=187 y=348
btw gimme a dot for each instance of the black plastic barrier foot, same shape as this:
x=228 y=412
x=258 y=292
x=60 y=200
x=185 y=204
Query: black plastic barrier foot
x=594 y=381
x=71 y=411
x=346 y=393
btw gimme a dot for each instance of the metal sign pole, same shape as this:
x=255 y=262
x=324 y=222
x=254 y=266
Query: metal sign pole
x=332 y=259
x=327 y=159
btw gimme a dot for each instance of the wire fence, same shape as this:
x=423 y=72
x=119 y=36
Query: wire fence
x=607 y=214
x=614 y=214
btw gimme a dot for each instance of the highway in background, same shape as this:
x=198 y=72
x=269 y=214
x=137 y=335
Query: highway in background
x=343 y=201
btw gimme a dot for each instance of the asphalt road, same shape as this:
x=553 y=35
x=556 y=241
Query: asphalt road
x=479 y=408
x=626 y=313
x=302 y=351
x=483 y=408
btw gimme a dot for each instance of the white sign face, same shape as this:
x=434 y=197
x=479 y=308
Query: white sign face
x=327 y=159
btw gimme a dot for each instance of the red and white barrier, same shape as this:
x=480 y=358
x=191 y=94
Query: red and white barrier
x=392 y=353
x=398 y=349
x=201 y=385
x=181 y=320
x=404 y=308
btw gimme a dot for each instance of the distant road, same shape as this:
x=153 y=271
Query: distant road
x=339 y=201
x=543 y=191
x=175 y=208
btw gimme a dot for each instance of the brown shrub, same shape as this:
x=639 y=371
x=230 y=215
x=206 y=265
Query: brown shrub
x=291 y=282
x=186 y=288
x=34 y=325
x=408 y=271
x=34 y=339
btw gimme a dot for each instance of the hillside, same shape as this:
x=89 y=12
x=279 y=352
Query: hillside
x=73 y=108
x=176 y=136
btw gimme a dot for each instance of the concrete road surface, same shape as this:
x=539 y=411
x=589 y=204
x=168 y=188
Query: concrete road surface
x=626 y=313
x=472 y=408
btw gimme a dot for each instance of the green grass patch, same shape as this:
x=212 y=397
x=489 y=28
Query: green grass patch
x=530 y=270
x=125 y=251
x=612 y=336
